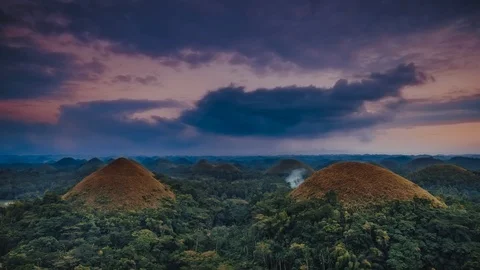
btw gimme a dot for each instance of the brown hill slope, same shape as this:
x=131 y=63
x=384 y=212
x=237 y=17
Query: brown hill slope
x=286 y=166
x=121 y=185
x=359 y=184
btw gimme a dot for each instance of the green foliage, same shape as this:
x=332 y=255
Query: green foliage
x=247 y=223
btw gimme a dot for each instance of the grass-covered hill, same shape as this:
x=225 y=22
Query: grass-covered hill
x=123 y=184
x=286 y=166
x=359 y=184
x=422 y=162
x=445 y=175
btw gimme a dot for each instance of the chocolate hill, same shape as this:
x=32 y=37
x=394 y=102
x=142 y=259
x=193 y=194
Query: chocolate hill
x=46 y=168
x=205 y=167
x=399 y=159
x=182 y=161
x=445 y=175
x=202 y=166
x=286 y=166
x=423 y=162
x=90 y=166
x=360 y=184
x=162 y=164
x=466 y=162
x=389 y=164
x=68 y=163
x=227 y=167
x=121 y=185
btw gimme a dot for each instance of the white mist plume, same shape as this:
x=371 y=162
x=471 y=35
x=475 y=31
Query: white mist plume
x=295 y=178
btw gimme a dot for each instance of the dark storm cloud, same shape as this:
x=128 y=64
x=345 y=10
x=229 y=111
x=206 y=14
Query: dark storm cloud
x=231 y=114
x=308 y=33
x=301 y=111
x=91 y=126
x=29 y=73
x=26 y=72
x=114 y=118
x=20 y=137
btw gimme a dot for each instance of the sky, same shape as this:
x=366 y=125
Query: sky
x=228 y=77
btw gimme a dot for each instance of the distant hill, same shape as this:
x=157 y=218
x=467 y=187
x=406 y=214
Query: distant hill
x=399 y=159
x=122 y=185
x=360 y=184
x=46 y=168
x=162 y=165
x=423 y=162
x=108 y=160
x=90 y=166
x=262 y=163
x=147 y=161
x=203 y=166
x=227 y=167
x=286 y=166
x=390 y=164
x=182 y=161
x=466 y=162
x=445 y=175
x=326 y=164
x=68 y=163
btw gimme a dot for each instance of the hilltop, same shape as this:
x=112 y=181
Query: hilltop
x=68 y=162
x=286 y=166
x=121 y=185
x=46 y=168
x=445 y=175
x=162 y=165
x=358 y=184
x=182 y=161
x=398 y=159
x=390 y=164
x=466 y=162
x=203 y=166
x=227 y=167
x=90 y=166
x=423 y=162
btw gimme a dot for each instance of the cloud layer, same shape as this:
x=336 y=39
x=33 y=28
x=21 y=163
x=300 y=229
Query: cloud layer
x=302 y=111
x=308 y=33
x=134 y=75
x=231 y=112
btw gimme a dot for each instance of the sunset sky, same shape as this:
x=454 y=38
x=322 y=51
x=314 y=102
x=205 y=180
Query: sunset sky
x=227 y=77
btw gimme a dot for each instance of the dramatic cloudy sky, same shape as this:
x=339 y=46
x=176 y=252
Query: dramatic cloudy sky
x=239 y=77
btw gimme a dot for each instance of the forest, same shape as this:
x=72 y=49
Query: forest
x=245 y=221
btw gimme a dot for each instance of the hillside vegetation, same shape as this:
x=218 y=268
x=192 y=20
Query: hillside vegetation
x=248 y=222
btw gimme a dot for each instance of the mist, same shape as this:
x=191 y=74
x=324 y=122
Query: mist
x=295 y=178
